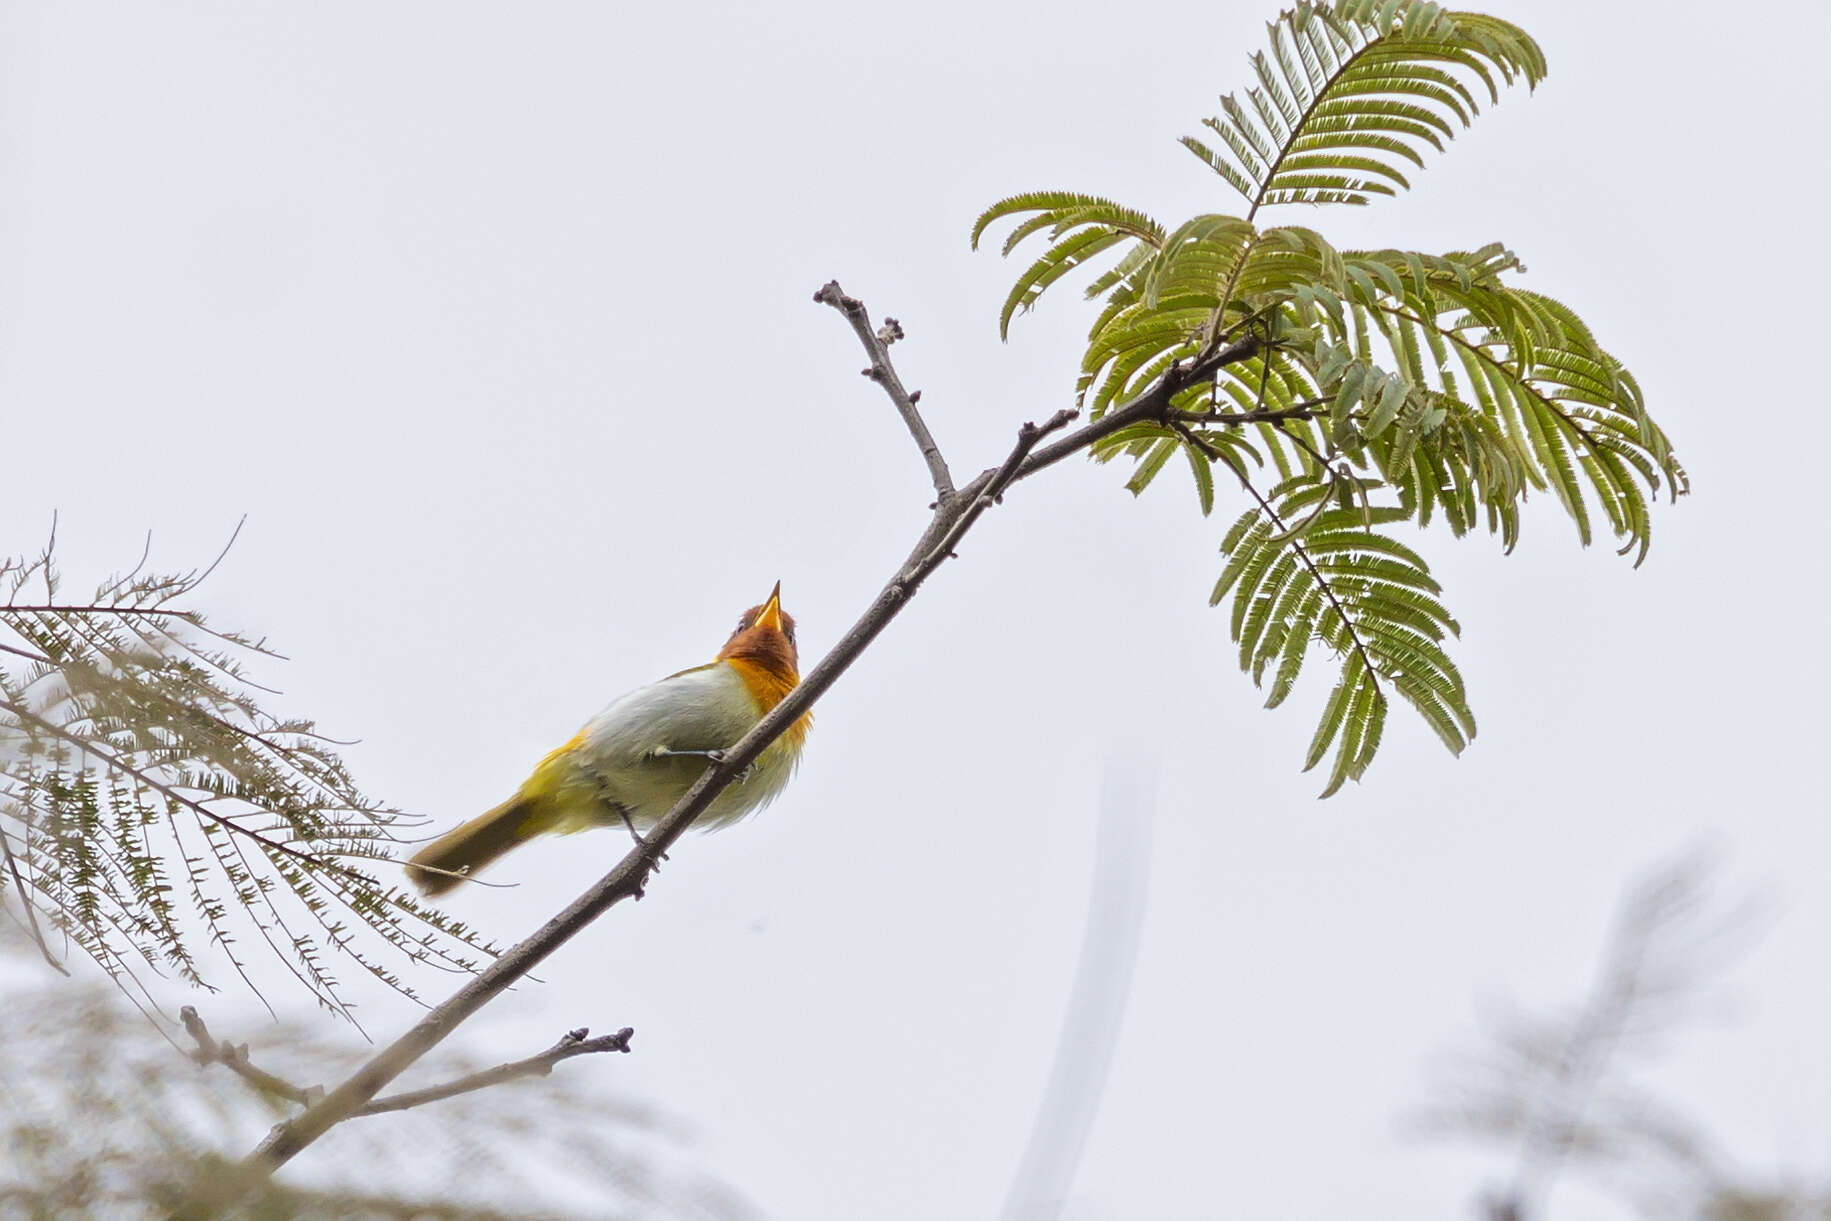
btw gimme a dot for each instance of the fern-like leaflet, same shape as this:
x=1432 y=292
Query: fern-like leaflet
x=1382 y=387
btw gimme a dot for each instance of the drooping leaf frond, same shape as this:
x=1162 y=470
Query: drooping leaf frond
x=1370 y=387
x=1080 y=228
x=1534 y=396
x=1370 y=599
x=153 y=814
x=1350 y=96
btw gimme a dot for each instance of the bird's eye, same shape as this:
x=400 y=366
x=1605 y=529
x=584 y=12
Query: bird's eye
x=790 y=633
x=743 y=621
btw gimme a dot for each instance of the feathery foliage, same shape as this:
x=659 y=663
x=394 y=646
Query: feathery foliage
x=1365 y=388
x=152 y=814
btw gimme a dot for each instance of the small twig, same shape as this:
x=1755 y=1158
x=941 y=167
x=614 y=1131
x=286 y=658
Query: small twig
x=200 y=578
x=989 y=489
x=877 y=347
x=235 y=1058
x=1153 y=404
x=31 y=916
x=27 y=654
x=572 y=1043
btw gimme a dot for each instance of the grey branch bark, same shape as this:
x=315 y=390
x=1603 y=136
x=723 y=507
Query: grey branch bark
x=572 y=1043
x=236 y=1059
x=877 y=347
x=953 y=516
x=1153 y=404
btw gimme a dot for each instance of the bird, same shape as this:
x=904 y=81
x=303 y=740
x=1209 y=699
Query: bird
x=632 y=762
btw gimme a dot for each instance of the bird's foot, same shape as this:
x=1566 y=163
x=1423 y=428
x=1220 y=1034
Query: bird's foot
x=653 y=857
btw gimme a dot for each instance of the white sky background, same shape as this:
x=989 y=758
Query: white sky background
x=495 y=320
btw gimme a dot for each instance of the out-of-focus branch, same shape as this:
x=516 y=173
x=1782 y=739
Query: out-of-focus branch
x=25 y=902
x=1655 y=953
x=572 y=1043
x=1089 y=1038
x=40 y=658
x=1553 y=1088
x=235 y=1058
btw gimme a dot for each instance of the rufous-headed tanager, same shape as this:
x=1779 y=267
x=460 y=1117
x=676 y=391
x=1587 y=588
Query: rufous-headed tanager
x=632 y=761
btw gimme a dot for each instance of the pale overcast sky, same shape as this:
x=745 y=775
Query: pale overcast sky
x=495 y=320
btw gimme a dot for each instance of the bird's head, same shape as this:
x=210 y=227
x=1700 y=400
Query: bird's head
x=766 y=635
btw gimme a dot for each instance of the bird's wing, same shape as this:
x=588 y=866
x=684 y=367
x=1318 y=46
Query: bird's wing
x=705 y=708
x=692 y=670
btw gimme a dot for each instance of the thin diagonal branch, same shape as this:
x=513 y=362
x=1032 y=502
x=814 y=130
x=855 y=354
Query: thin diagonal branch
x=235 y=1058
x=877 y=347
x=991 y=487
x=28 y=655
x=1152 y=405
x=627 y=879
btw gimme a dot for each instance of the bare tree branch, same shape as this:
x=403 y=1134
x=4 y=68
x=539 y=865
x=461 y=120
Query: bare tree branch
x=236 y=1059
x=877 y=347
x=990 y=489
x=40 y=658
x=953 y=515
x=572 y=1043
x=1153 y=404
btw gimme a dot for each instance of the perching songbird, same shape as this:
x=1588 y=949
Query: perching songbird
x=632 y=761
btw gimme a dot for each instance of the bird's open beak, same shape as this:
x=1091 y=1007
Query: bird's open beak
x=771 y=614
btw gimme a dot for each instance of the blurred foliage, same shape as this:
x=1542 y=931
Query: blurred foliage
x=104 y=1119
x=1383 y=387
x=1560 y=1091
x=155 y=816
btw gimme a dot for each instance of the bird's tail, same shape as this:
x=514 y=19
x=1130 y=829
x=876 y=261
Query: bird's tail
x=462 y=851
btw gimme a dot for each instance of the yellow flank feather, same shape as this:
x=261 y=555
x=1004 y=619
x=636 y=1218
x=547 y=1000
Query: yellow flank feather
x=555 y=771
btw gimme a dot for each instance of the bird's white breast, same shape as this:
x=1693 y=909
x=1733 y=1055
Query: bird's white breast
x=708 y=708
